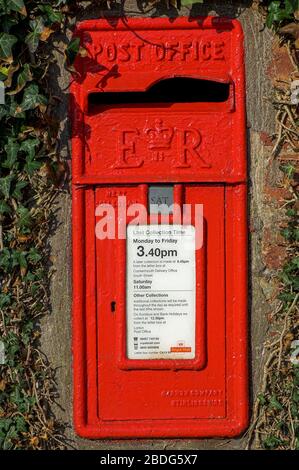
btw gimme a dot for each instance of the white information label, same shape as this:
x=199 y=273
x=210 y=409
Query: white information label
x=161 y=292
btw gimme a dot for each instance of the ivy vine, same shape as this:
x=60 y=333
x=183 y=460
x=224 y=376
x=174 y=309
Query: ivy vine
x=28 y=160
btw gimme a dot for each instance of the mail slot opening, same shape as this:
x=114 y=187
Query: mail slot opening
x=167 y=91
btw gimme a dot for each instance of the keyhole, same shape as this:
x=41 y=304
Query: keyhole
x=113 y=306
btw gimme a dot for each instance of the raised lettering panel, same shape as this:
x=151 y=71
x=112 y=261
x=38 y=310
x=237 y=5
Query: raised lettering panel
x=131 y=52
x=172 y=143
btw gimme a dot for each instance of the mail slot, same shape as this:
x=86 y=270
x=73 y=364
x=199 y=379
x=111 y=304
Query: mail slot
x=159 y=229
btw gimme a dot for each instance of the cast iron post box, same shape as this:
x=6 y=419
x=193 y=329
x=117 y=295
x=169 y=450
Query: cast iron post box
x=159 y=309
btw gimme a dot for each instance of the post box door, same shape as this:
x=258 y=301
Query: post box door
x=166 y=388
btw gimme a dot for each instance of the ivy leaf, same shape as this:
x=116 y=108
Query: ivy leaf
x=291 y=6
x=5 y=185
x=21 y=424
x=13 y=108
x=10 y=74
x=7 y=22
x=261 y=399
x=72 y=50
x=17 y=5
x=51 y=15
x=24 y=220
x=4 y=208
x=271 y=442
x=278 y=12
x=11 y=149
x=4 y=111
x=34 y=256
x=19 y=259
x=17 y=192
x=5 y=261
x=28 y=146
x=32 y=39
x=32 y=165
x=4 y=72
x=5 y=299
x=23 y=77
x=32 y=98
x=7 y=41
x=273 y=11
x=274 y=403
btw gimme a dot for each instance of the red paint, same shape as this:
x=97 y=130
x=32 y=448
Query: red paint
x=202 y=151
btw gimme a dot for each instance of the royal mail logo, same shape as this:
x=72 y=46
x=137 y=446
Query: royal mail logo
x=180 y=348
x=159 y=141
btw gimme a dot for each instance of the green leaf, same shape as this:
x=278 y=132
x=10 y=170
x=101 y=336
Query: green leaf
x=72 y=50
x=291 y=213
x=5 y=259
x=34 y=256
x=17 y=5
x=278 y=11
x=32 y=39
x=288 y=169
x=5 y=185
x=4 y=72
x=32 y=98
x=31 y=166
x=21 y=424
x=28 y=146
x=7 y=41
x=295 y=396
x=23 y=77
x=269 y=19
x=7 y=22
x=11 y=149
x=261 y=399
x=19 y=259
x=17 y=192
x=291 y=6
x=4 y=111
x=24 y=220
x=5 y=300
x=286 y=297
x=274 y=403
x=51 y=15
x=271 y=442
x=4 y=208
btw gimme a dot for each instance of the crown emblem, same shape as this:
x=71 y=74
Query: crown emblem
x=159 y=138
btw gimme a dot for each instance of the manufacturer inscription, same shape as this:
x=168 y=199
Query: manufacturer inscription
x=194 y=403
x=194 y=398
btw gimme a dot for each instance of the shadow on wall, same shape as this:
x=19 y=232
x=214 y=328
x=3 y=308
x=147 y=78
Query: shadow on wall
x=231 y=8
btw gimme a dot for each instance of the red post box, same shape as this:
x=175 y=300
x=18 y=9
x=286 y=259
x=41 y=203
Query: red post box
x=159 y=308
